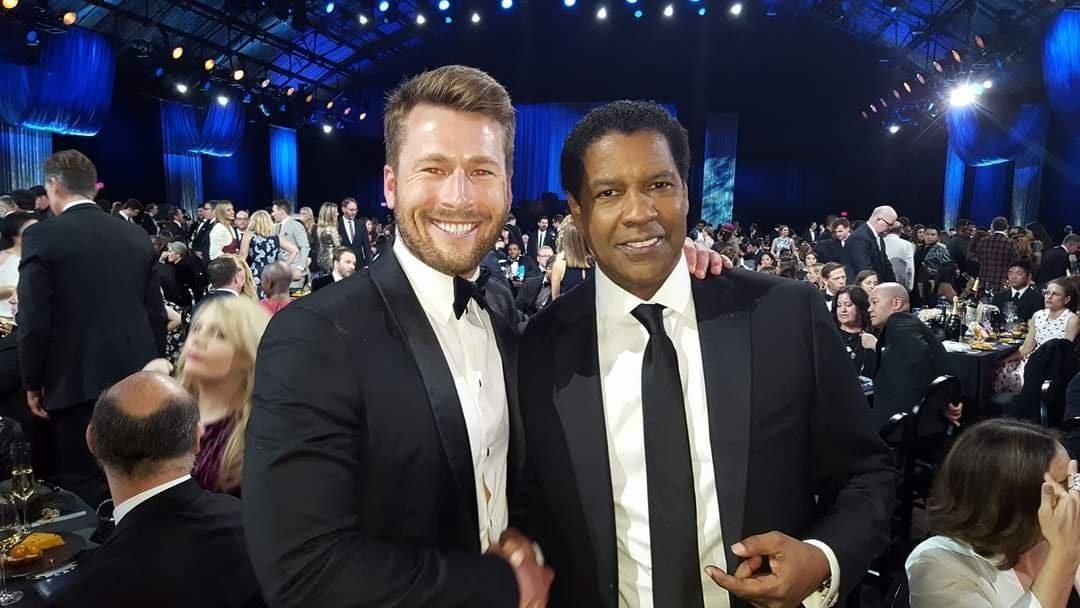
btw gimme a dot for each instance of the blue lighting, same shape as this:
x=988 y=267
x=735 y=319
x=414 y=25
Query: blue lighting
x=449 y=19
x=569 y=3
x=384 y=6
x=631 y=1
x=444 y=5
x=31 y=36
x=770 y=13
x=637 y=13
x=701 y=11
x=159 y=72
x=507 y=4
x=329 y=7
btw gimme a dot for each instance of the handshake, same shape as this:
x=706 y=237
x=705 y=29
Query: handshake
x=533 y=578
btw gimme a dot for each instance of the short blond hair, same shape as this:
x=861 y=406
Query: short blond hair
x=261 y=224
x=456 y=87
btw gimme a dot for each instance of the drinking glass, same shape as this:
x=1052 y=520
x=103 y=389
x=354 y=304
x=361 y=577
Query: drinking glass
x=22 y=481
x=11 y=534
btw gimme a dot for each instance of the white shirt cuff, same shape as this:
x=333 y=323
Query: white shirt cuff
x=827 y=599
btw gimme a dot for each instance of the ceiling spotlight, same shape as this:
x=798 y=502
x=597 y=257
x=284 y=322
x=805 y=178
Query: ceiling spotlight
x=289 y=91
x=638 y=13
x=448 y=19
x=420 y=19
x=864 y=114
x=222 y=100
x=669 y=10
x=181 y=88
x=209 y=64
x=938 y=67
x=920 y=78
x=701 y=11
x=347 y=111
x=956 y=56
x=70 y=18
x=475 y=18
x=601 y=13
x=569 y=3
x=896 y=93
x=907 y=87
x=265 y=109
x=362 y=115
x=362 y=18
x=10 y=4
x=205 y=86
x=980 y=42
x=330 y=105
x=963 y=95
x=177 y=52
x=326 y=128
x=238 y=74
x=265 y=82
x=873 y=108
x=384 y=6
x=329 y=8
x=631 y=1
x=884 y=104
x=309 y=98
x=246 y=98
x=736 y=9
x=159 y=72
x=444 y=5
x=894 y=129
x=988 y=84
x=507 y=4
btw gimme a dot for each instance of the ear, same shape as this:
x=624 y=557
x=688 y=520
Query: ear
x=90 y=440
x=575 y=207
x=390 y=186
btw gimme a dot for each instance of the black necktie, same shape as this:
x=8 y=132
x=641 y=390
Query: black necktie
x=676 y=564
x=1016 y=296
x=465 y=289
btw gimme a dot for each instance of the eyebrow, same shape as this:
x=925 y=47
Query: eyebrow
x=437 y=157
x=611 y=182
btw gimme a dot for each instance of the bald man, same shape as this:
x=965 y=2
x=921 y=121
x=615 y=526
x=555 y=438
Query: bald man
x=909 y=356
x=175 y=544
x=866 y=246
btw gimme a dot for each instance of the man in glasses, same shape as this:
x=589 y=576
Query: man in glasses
x=867 y=244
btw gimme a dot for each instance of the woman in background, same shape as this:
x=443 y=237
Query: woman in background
x=573 y=264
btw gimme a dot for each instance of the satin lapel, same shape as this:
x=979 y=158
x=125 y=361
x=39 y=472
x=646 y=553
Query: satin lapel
x=506 y=340
x=580 y=402
x=724 y=331
x=413 y=326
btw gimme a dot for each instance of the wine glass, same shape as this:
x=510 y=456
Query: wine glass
x=11 y=534
x=22 y=480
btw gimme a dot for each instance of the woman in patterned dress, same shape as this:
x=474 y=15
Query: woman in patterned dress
x=1057 y=320
x=261 y=247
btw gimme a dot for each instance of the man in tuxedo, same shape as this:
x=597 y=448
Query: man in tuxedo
x=390 y=483
x=909 y=356
x=200 y=234
x=513 y=231
x=1025 y=298
x=130 y=211
x=543 y=236
x=41 y=208
x=148 y=219
x=812 y=234
x=353 y=232
x=344 y=267
x=226 y=278
x=867 y=245
x=175 y=229
x=529 y=299
x=662 y=444
x=836 y=248
x=1055 y=261
x=521 y=265
x=145 y=433
x=834 y=275
x=90 y=312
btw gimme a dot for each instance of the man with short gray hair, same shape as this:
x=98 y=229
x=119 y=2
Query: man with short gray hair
x=867 y=244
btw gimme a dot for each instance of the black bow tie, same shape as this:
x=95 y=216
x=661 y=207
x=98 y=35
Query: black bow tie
x=465 y=289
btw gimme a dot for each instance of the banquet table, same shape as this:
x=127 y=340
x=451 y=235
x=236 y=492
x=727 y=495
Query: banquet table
x=975 y=371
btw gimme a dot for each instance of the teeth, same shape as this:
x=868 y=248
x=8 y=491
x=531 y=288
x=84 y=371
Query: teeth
x=644 y=244
x=455 y=229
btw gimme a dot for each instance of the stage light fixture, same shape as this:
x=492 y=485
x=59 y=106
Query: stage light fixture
x=907 y=87
x=384 y=6
x=420 y=19
x=638 y=14
x=265 y=82
x=348 y=110
x=10 y=4
x=601 y=13
x=444 y=5
x=289 y=91
x=569 y=3
x=448 y=19
x=770 y=13
x=631 y=1
x=32 y=38
x=205 y=86
x=329 y=8
x=894 y=129
x=956 y=56
x=736 y=9
x=246 y=98
x=669 y=10
x=362 y=115
x=963 y=95
x=264 y=109
x=181 y=88
x=326 y=128
x=222 y=100
x=362 y=18
x=209 y=64
x=70 y=18
x=475 y=18
x=980 y=41
x=864 y=114
x=507 y=4
x=310 y=98
x=330 y=105
x=988 y=84
x=177 y=52
x=159 y=72
x=937 y=66
x=896 y=93
x=920 y=78
x=701 y=11
x=238 y=74
x=873 y=108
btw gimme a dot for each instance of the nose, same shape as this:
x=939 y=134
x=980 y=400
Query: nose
x=457 y=191
x=639 y=209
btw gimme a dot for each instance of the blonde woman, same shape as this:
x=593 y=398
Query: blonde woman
x=573 y=264
x=263 y=247
x=223 y=237
x=248 y=290
x=326 y=234
x=217 y=365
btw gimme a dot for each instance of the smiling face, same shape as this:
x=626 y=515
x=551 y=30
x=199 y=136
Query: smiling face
x=450 y=187
x=633 y=209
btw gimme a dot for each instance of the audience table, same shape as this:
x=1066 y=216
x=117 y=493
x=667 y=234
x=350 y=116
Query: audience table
x=975 y=371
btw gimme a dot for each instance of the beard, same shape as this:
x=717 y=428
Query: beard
x=414 y=226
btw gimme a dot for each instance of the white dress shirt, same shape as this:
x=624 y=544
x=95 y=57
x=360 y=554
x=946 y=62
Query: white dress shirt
x=122 y=509
x=946 y=573
x=621 y=341
x=472 y=354
x=1018 y=293
x=902 y=257
x=350 y=229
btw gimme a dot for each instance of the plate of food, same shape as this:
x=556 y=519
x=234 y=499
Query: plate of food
x=983 y=346
x=41 y=552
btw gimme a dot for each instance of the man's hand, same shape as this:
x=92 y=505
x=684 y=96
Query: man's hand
x=954 y=412
x=797 y=570
x=533 y=579
x=36 y=402
x=703 y=261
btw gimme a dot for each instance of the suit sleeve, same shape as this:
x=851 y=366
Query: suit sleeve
x=35 y=318
x=862 y=255
x=848 y=456
x=302 y=243
x=303 y=486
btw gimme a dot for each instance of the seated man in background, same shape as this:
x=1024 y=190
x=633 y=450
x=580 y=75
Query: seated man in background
x=175 y=544
x=1022 y=294
x=344 y=266
x=909 y=356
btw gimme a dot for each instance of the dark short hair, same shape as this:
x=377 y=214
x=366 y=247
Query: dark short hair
x=133 y=203
x=340 y=251
x=11 y=227
x=345 y=201
x=176 y=211
x=74 y=171
x=865 y=274
x=24 y=199
x=1022 y=265
x=135 y=446
x=542 y=217
x=859 y=298
x=932 y=227
x=283 y=204
x=39 y=191
x=830 y=268
x=840 y=221
x=626 y=117
x=221 y=271
x=1072 y=239
x=987 y=493
x=999 y=224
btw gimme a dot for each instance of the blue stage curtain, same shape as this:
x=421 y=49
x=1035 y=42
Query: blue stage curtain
x=954 y=187
x=1061 y=68
x=538 y=142
x=982 y=139
x=990 y=192
x=1027 y=182
x=223 y=130
x=284 y=162
x=183 y=168
x=68 y=92
x=718 y=185
x=22 y=156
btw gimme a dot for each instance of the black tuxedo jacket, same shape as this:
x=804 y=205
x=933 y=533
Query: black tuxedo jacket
x=182 y=548
x=866 y=254
x=775 y=440
x=1030 y=303
x=909 y=359
x=200 y=238
x=90 y=308
x=321 y=281
x=833 y=250
x=174 y=232
x=535 y=244
x=361 y=246
x=1054 y=265
x=358 y=479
